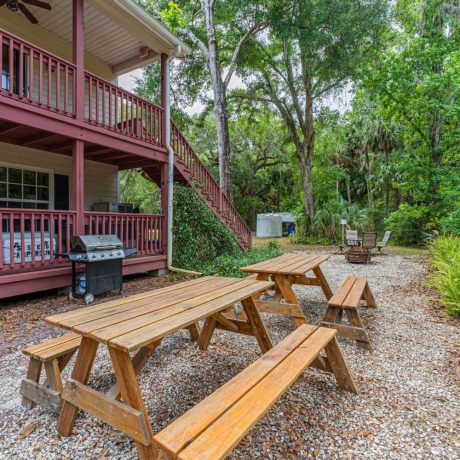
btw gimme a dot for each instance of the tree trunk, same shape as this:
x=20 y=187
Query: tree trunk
x=307 y=155
x=348 y=190
x=220 y=104
x=387 y=182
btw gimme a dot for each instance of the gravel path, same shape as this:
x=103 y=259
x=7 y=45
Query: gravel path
x=408 y=405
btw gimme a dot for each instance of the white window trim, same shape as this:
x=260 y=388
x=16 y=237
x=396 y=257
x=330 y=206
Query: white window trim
x=36 y=169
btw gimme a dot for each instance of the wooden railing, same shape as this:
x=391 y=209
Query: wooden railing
x=113 y=108
x=33 y=238
x=209 y=187
x=142 y=231
x=35 y=76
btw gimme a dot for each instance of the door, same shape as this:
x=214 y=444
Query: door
x=61 y=192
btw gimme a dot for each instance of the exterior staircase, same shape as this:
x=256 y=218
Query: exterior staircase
x=190 y=169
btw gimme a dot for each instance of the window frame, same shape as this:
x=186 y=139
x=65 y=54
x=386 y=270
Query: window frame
x=36 y=169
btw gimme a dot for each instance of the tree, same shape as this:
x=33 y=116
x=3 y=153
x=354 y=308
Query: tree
x=218 y=32
x=313 y=48
x=415 y=84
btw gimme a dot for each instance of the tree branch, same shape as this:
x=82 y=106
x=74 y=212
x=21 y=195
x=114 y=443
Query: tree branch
x=195 y=40
x=252 y=31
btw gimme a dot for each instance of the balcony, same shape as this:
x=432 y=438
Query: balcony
x=39 y=79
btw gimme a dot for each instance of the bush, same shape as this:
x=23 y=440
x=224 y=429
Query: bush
x=445 y=252
x=310 y=239
x=228 y=265
x=198 y=235
x=451 y=226
x=407 y=225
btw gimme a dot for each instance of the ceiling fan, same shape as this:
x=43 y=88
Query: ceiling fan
x=15 y=5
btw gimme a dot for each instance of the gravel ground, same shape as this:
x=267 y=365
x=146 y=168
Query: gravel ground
x=408 y=405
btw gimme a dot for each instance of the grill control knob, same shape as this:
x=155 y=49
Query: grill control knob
x=94 y=256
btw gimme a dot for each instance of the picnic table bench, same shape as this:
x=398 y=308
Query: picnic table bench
x=54 y=355
x=285 y=271
x=139 y=323
x=347 y=298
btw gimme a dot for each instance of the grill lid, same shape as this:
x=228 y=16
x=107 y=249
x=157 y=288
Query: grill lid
x=90 y=243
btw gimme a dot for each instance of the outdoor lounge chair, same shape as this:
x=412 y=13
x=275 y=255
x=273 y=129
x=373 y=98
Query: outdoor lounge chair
x=383 y=243
x=352 y=238
x=369 y=241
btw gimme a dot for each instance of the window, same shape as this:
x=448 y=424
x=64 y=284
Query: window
x=24 y=188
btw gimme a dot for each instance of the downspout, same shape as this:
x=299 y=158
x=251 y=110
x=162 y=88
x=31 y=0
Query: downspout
x=171 y=173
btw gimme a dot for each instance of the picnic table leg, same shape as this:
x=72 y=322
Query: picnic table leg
x=339 y=366
x=195 y=331
x=288 y=294
x=80 y=373
x=258 y=327
x=323 y=282
x=139 y=361
x=131 y=395
x=206 y=333
x=33 y=373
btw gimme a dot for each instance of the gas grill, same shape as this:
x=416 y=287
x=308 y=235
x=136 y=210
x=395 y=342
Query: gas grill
x=103 y=257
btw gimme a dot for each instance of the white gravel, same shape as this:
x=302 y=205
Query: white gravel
x=408 y=405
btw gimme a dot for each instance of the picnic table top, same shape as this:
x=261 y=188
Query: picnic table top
x=133 y=322
x=287 y=264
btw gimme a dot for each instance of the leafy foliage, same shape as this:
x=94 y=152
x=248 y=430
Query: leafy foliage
x=407 y=224
x=199 y=237
x=445 y=252
x=229 y=265
x=327 y=219
x=390 y=157
x=451 y=226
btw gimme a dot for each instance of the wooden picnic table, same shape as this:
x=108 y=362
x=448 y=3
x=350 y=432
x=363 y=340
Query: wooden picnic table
x=285 y=271
x=139 y=323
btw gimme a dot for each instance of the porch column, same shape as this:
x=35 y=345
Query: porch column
x=79 y=58
x=78 y=185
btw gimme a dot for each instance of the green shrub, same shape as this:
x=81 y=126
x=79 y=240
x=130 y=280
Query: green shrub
x=229 y=265
x=198 y=235
x=328 y=216
x=445 y=252
x=407 y=225
x=451 y=226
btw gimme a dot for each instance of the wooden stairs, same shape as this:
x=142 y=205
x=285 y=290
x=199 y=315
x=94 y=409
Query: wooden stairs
x=190 y=169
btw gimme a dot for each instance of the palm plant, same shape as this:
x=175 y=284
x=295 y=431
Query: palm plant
x=328 y=217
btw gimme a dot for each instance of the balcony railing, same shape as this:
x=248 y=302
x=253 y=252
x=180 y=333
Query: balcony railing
x=113 y=108
x=32 y=75
x=37 y=77
x=34 y=238
x=142 y=231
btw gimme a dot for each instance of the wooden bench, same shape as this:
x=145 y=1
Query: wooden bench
x=211 y=429
x=347 y=298
x=53 y=355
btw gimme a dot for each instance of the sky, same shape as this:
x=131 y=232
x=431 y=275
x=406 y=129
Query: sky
x=340 y=101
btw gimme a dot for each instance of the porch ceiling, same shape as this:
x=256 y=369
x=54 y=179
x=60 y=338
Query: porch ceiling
x=115 y=31
x=13 y=133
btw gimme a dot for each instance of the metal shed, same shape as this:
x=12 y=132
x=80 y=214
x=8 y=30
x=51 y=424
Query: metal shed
x=269 y=225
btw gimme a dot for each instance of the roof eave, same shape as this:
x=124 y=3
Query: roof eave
x=161 y=39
